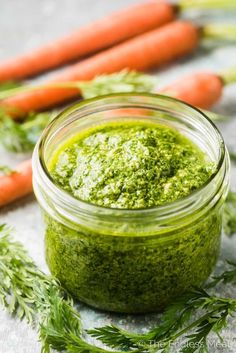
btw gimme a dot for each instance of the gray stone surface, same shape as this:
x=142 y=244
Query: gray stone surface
x=24 y=25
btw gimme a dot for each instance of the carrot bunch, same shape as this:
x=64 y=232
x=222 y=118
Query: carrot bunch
x=147 y=51
x=104 y=33
x=152 y=39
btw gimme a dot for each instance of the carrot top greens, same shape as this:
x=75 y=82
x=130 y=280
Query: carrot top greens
x=206 y=4
x=123 y=81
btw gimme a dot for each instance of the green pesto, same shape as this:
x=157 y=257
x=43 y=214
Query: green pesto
x=131 y=166
x=132 y=274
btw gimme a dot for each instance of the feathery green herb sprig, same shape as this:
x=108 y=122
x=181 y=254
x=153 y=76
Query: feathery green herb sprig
x=18 y=278
x=229 y=214
x=176 y=323
x=124 y=81
x=228 y=276
x=232 y=156
x=22 y=137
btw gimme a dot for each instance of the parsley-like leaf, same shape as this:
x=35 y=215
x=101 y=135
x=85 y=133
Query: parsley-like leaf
x=229 y=214
x=228 y=276
x=121 y=82
x=232 y=156
x=22 y=137
x=212 y=316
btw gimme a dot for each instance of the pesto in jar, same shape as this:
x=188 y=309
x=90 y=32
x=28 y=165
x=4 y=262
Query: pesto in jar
x=131 y=165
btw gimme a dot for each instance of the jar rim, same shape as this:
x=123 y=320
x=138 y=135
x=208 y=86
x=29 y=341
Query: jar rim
x=85 y=206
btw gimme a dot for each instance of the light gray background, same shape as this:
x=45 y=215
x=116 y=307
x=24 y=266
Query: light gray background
x=25 y=24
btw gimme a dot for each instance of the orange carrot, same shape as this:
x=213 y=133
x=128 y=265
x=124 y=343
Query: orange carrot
x=200 y=89
x=17 y=184
x=101 y=34
x=149 y=50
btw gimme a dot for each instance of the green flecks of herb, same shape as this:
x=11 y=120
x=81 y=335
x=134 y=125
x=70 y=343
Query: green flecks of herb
x=229 y=215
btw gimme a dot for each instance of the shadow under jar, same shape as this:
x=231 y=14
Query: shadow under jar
x=131 y=260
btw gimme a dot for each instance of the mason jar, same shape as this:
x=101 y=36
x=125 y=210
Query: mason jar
x=131 y=260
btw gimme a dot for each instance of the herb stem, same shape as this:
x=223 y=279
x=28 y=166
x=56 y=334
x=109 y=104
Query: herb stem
x=229 y=215
x=229 y=75
x=182 y=332
x=232 y=156
x=206 y=4
x=219 y=32
x=198 y=321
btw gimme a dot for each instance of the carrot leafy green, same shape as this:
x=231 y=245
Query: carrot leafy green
x=229 y=215
x=21 y=137
x=207 y=4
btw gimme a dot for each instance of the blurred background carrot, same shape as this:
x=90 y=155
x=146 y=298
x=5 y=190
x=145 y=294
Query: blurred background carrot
x=150 y=50
x=101 y=34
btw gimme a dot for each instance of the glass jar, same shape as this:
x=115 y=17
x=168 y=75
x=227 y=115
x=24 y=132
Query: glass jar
x=131 y=261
